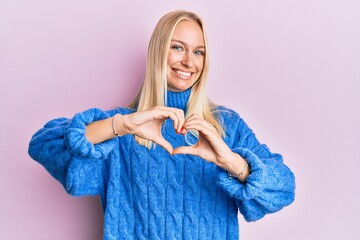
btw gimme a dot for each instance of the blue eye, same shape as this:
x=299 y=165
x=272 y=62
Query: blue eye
x=198 y=52
x=177 y=47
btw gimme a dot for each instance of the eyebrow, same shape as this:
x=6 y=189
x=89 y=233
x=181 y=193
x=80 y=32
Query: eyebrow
x=185 y=43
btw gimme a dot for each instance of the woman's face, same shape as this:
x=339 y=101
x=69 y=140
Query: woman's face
x=186 y=56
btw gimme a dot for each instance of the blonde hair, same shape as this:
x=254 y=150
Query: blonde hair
x=154 y=87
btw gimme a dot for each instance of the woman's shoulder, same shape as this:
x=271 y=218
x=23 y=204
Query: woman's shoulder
x=225 y=114
x=230 y=120
x=123 y=110
x=103 y=113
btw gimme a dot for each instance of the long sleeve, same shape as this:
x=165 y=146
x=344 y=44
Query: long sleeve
x=62 y=148
x=270 y=185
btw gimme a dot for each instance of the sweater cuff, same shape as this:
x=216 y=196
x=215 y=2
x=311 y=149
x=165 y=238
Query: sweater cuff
x=76 y=140
x=254 y=181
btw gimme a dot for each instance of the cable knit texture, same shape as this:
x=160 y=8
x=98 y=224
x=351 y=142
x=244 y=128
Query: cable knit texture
x=149 y=194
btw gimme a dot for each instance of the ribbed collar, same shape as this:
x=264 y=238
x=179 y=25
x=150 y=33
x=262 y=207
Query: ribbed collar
x=178 y=99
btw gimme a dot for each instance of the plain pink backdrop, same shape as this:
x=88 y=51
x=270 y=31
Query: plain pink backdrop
x=290 y=68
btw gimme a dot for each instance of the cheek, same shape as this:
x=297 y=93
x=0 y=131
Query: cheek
x=199 y=64
x=172 y=58
x=169 y=59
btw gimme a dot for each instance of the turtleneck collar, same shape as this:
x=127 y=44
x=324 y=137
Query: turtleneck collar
x=178 y=99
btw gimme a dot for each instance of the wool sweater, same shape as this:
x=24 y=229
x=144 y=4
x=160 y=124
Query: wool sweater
x=150 y=194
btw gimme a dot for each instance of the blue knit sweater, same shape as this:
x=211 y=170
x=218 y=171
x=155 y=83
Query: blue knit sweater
x=149 y=194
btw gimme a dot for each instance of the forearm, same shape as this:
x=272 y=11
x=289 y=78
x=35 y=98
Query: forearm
x=102 y=130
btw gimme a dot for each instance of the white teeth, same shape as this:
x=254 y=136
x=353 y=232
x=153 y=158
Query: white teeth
x=184 y=74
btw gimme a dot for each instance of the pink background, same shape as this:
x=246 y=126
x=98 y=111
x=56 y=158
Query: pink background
x=290 y=68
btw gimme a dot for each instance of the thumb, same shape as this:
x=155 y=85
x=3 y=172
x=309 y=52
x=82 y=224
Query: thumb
x=165 y=144
x=185 y=150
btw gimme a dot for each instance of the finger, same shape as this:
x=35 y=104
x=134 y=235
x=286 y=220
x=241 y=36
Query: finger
x=165 y=144
x=180 y=114
x=194 y=116
x=194 y=119
x=201 y=121
x=183 y=131
x=199 y=126
x=186 y=150
x=177 y=115
x=175 y=118
x=163 y=113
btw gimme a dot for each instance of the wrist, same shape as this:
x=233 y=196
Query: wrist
x=118 y=125
x=238 y=167
x=230 y=162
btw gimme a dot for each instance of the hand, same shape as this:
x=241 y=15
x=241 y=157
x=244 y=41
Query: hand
x=147 y=124
x=210 y=145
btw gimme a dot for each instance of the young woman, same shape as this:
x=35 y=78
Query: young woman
x=171 y=165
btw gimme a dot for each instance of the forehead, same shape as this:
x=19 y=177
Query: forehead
x=189 y=32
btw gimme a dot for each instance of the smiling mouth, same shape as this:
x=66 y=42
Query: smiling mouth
x=182 y=73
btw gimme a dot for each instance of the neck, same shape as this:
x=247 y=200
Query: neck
x=178 y=99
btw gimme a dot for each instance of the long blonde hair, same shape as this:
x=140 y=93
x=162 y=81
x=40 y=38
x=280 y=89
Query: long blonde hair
x=154 y=87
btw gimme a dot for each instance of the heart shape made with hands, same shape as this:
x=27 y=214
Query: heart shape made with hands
x=204 y=137
x=148 y=124
x=160 y=140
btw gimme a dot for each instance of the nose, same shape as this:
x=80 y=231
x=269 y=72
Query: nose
x=187 y=60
